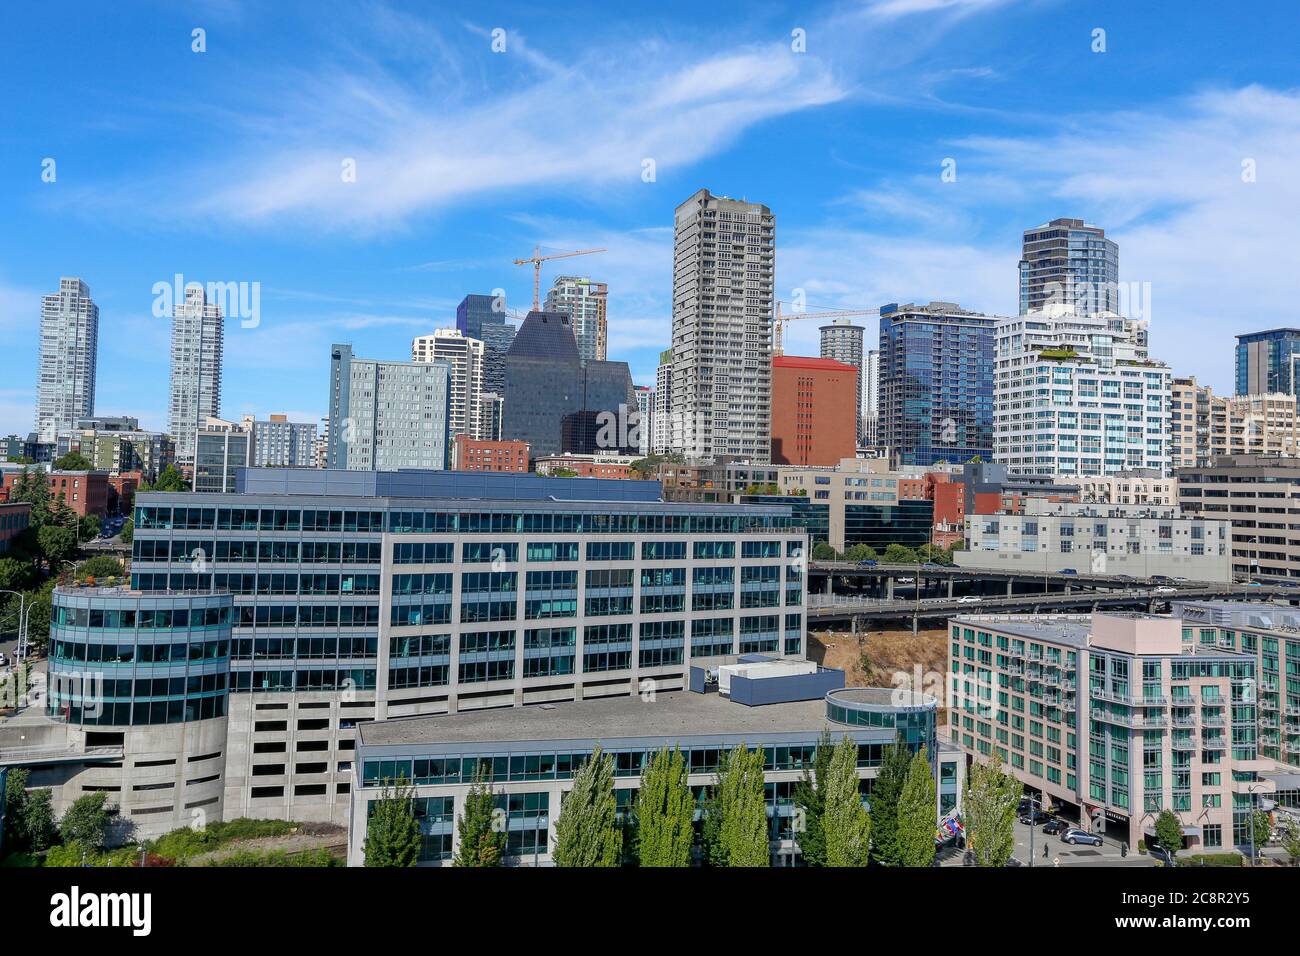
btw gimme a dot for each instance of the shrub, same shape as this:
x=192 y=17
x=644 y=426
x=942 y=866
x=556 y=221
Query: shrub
x=279 y=858
x=1213 y=859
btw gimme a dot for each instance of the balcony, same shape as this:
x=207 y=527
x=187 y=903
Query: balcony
x=1183 y=743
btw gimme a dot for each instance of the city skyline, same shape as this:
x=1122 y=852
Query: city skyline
x=130 y=206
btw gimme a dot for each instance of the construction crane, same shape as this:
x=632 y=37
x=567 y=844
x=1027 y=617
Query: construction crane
x=537 y=259
x=781 y=319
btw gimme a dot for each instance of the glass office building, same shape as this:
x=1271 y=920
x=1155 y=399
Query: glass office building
x=936 y=383
x=1266 y=362
x=531 y=756
x=367 y=595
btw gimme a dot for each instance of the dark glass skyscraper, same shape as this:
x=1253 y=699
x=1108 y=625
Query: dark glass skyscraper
x=546 y=382
x=478 y=317
x=1266 y=361
x=936 y=383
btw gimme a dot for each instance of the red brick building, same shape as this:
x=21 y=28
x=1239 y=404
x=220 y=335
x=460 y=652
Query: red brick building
x=814 y=411
x=121 y=491
x=471 y=454
x=85 y=492
x=587 y=466
x=14 y=518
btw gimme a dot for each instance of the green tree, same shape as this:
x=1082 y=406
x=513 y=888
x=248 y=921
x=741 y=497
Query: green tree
x=1169 y=832
x=38 y=820
x=1261 y=831
x=73 y=461
x=392 y=832
x=1290 y=837
x=742 y=809
x=899 y=554
x=482 y=840
x=845 y=820
x=665 y=811
x=885 y=793
x=861 y=552
x=128 y=531
x=33 y=487
x=917 y=814
x=824 y=552
x=100 y=567
x=587 y=833
x=14 y=574
x=88 y=527
x=810 y=802
x=168 y=480
x=86 y=821
x=57 y=543
x=991 y=799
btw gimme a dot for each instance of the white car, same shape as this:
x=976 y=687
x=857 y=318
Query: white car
x=1166 y=590
x=969 y=599
x=905 y=581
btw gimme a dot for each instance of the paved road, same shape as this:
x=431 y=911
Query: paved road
x=1107 y=854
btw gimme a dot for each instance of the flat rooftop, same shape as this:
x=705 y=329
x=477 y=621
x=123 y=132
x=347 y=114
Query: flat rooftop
x=1070 y=629
x=669 y=715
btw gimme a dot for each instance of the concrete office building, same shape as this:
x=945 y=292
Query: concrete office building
x=370 y=595
x=280 y=443
x=1266 y=362
x=843 y=342
x=465 y=357
x=723 y=272
x=662 y=423
x=1254 y=493
x=387 y=415
x=1205 y=426
x=810 y=397
x=1138 y=540
x=1162 y=723
x=65 y=381
x=585 y=303
x=1068 y=262
x=221 y=448
x=856 y=502
x=1143 y=487
x=198 y=345
x=532 y=754
x=1079 y=395
x=936 y=383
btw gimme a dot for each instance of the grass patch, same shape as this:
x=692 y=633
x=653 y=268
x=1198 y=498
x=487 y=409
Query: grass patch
x=279 y=858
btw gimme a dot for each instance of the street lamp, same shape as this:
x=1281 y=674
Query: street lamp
x=1254 y=847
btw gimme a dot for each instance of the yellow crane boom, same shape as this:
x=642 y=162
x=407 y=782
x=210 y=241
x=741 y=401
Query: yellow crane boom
x=536 y=259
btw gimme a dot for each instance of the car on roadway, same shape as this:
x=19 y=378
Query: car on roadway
x=1068 y=571
x=969 y=599
x=1157 y=852
x=867 y=563
x=1075 y=836
x=1166 y=590
x=1055 y=826
x=905 y=581
x=1253 y=584
x=1287 y=584
x=1034 y=817
x=931 y=566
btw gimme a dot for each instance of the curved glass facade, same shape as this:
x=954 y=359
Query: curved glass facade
x=873 y=707
x=123 y=658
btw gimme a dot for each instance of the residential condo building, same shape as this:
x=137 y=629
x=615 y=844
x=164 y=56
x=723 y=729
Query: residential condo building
x=585 y=302
x=843 y=342
x=198 y=344
x=387 y=415
x=1266 y=362
x=936 y=383
x=465 y=357
x=1068 y=262
x=65 y=382
x=1079 y=395
x=723 y=273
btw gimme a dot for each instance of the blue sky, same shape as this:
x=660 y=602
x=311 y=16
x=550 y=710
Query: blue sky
x=226 y=165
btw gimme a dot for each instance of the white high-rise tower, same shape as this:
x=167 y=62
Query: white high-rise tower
x=65 y=388
x=198 y=333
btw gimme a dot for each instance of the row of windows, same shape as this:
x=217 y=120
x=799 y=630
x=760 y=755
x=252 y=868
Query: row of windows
x=145 y=619
x=500 y=768
x=403 y=522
